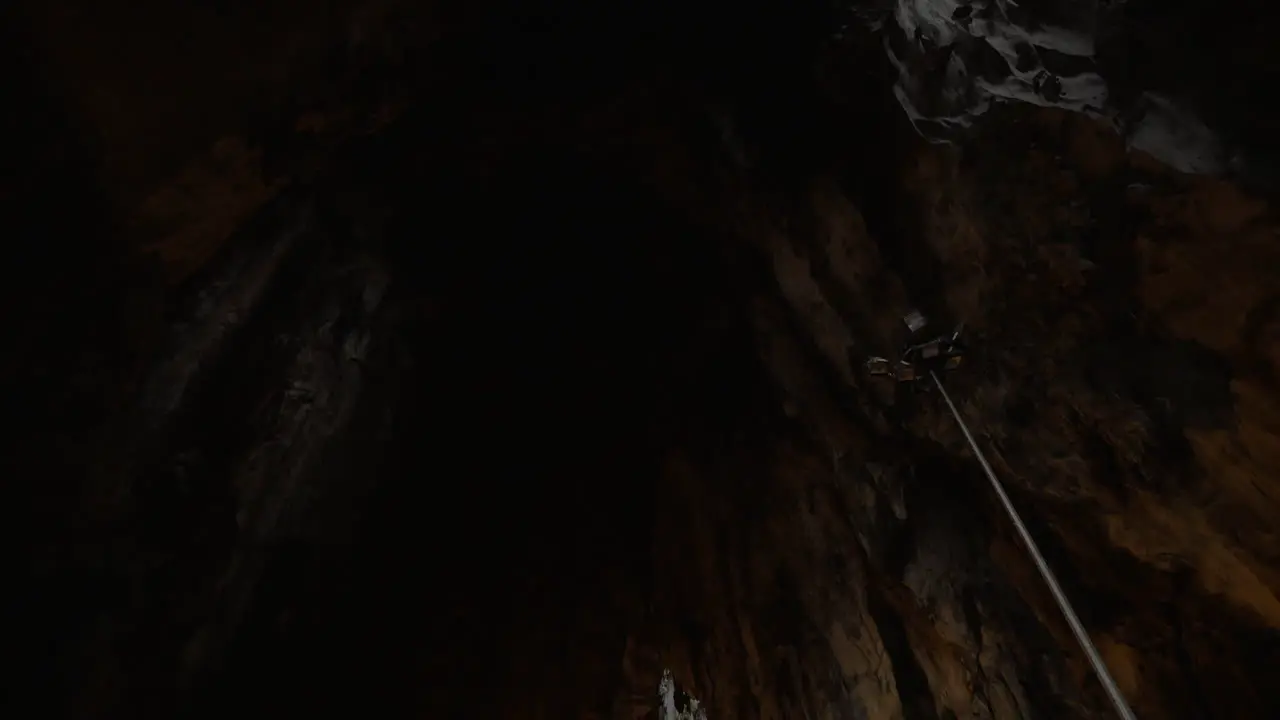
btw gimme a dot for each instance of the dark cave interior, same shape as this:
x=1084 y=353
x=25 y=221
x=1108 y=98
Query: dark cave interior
x=522 y=408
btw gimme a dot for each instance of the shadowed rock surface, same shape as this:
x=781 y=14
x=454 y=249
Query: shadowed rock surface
x=446 y=361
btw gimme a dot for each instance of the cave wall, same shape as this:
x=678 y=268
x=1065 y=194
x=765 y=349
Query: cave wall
x=135 y=149
x=413 y=423
x=1103 y=402
x=177 y=103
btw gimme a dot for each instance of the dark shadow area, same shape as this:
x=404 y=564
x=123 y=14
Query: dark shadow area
x=64 y=367
x=557 y=328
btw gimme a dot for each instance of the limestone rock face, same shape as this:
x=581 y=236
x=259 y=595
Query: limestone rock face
x=1128 y=63
x=495 y=374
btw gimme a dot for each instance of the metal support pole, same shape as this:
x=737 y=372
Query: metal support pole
x=1082 y=637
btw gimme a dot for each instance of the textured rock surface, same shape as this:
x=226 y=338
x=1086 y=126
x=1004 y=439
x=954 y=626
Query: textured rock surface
x=508 y=374
x=1153 y=71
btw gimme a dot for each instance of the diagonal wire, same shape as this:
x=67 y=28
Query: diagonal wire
x=1077 y=629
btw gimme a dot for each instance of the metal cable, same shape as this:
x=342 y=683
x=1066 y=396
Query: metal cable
x=1082 y=637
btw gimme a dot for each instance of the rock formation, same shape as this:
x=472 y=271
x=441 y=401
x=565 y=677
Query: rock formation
x=1131 y=64
x=486 y=361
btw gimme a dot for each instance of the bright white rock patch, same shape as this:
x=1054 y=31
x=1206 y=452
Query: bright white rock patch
x=956 y=59
x=675 y=705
